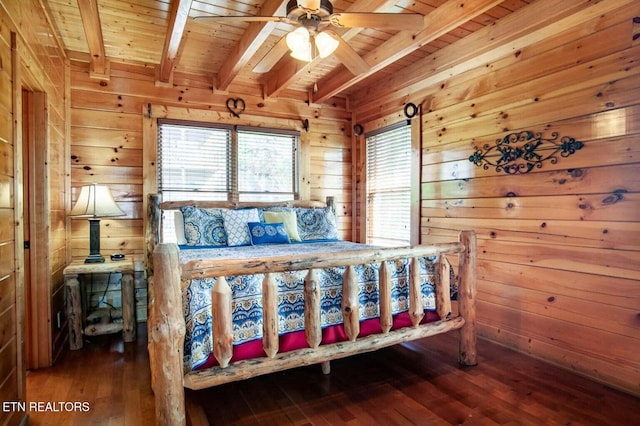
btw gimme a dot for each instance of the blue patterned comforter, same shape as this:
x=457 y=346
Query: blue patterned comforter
x=247 y=298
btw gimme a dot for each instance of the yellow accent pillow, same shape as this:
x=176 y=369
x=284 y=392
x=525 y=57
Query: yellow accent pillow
x=290 y=221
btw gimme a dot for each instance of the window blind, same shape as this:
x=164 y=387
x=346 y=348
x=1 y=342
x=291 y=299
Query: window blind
x=388 y=173
x=198 y=161
x=267 y=164
x=193 y=161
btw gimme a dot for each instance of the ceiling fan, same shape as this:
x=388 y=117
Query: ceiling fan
x=313 y=19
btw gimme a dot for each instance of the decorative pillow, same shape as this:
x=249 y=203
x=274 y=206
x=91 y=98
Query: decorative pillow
x=235 y=224
x=203 y=227
x=289 y=218
x=316 y=224
x=178 y=227
x=268 y=233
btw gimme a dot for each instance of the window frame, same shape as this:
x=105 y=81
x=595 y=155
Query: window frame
x=233 y=193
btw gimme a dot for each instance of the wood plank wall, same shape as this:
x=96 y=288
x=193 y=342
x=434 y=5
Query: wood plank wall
x=559 y=248
x=38 y=66
x=11 y=384
x=107 y=145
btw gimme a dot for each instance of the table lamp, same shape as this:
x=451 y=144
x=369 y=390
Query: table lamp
x=95 y=201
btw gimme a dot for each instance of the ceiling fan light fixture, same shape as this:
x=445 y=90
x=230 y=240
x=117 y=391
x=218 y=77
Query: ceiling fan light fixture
x=303 y=53
x=326 y=44
x=298 y=40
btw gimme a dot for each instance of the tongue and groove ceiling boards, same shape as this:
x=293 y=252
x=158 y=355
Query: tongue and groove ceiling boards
x=184 y=41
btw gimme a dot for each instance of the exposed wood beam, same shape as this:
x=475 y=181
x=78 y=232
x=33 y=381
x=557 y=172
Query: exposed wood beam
x=177 y=21
x=99 y=64
x=55 y=31
x=251 y=40
x=272 y=57
x=440 y=21
x=289 y=70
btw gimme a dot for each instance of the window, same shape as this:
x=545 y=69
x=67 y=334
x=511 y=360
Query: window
x=194 y=162
x=201 y=161
x=388 y=177
x=266 y=165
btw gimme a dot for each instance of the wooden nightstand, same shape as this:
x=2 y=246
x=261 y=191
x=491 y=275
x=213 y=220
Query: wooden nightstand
x=74 y=298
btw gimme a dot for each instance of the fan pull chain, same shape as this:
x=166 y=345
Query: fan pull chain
x=314 y=54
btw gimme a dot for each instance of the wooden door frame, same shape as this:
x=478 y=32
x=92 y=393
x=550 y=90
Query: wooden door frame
x=36 y=141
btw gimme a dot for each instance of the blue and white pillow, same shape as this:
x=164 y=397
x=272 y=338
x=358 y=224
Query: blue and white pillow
x=288 y=217
x=203 y=227
x=235 y=224
x=267 y=233
x=316 y=224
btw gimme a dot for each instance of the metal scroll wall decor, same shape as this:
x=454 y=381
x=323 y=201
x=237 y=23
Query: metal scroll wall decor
x=410 y=111
x=236 y=106
x=519 y=153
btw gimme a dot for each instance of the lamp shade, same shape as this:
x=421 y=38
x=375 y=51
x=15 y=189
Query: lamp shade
x=95 y=201
x=326 y=44
x=298 y=40
x=302 y=54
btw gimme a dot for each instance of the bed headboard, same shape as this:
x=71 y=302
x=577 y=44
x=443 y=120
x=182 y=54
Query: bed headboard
x=156 y=206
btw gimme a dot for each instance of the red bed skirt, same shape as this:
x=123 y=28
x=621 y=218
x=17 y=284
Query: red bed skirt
x=331 y=334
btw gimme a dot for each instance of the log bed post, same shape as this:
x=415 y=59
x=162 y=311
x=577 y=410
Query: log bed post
x=384 y=285
x=312 y=322
x=167 y=334
x=443 y=288
x=416 y=308
x=270 y=342
x=467 y=298
x=222 y=323
x=152 y=229
x=350 y=303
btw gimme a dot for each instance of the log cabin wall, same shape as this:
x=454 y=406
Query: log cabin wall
x=33 y=76
x=107 y=145
x=558 y=247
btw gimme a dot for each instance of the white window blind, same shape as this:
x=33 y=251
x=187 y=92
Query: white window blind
x=267 y=164
x=193 y=162
x=388 y=173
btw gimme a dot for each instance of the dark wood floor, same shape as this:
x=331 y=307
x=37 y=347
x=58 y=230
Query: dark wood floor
x=415 y=383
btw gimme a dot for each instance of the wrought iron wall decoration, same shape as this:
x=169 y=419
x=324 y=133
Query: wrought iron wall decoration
x=410 y=111
x=519 y=153
x=236 y=106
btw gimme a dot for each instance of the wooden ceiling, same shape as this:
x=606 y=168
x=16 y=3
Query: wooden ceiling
x=165 y=35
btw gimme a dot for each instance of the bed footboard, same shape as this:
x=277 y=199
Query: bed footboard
x=166 y=337
x=167 y=327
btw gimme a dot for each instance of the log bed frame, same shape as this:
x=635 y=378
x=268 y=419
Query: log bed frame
x=166 y=326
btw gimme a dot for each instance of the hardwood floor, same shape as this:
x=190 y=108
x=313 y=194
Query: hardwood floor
x=415 y=383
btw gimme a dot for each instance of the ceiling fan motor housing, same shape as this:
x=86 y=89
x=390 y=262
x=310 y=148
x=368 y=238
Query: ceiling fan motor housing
x=299 y=13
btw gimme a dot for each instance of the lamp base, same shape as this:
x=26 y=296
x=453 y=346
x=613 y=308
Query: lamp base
x=94 y=242
x=94 y=258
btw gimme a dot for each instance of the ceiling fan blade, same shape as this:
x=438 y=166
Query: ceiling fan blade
x=228 y=19
x=382 y=21
x=349 y=57
x=272 y=57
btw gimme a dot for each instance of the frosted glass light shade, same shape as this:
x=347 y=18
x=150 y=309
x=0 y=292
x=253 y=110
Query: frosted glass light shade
x=298 y=40
x=302 y=54
x=95 y=201
x=326 y=44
